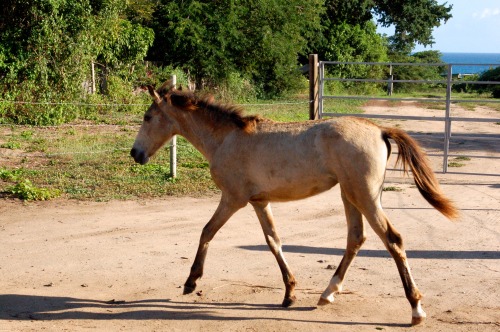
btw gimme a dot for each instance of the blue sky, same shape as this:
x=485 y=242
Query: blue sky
x=474 y=28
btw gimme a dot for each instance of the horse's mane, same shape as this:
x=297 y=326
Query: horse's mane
x=216 y=113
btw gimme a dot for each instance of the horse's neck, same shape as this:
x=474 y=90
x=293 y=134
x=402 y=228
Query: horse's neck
x=203 y=136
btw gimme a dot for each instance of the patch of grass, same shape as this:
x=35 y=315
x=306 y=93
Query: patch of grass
x=455 y=164
x=86 y=161
x=25 y=190
x=11 y=145
x=392 y=188
x=464 y=158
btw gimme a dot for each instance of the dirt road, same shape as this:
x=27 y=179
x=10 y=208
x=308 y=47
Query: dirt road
x=120 y=266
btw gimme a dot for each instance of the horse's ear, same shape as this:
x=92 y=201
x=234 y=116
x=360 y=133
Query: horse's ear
x=154 y=94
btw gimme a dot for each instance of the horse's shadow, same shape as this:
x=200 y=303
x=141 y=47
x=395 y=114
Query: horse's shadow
x=50 y=308
x=373 y=253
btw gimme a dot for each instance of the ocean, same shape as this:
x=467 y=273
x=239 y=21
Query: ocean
x=469 y=60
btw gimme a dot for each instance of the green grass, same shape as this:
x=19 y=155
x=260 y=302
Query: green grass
x=87 y=161
x=392 y=188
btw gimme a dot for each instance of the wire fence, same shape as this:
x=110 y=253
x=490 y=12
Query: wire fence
x=170 y=145
x=446 y=118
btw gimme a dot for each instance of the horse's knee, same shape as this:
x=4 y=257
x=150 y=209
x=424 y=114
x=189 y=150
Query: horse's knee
x=393 y=237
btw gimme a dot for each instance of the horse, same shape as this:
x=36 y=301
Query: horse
x=258 y=161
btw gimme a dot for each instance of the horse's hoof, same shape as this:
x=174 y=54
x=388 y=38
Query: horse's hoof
x=417 y=320
x=188 y=289
x=323 y=301
x=418 y=315
x=288 y=301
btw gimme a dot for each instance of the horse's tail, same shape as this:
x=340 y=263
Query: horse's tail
x=410 y=154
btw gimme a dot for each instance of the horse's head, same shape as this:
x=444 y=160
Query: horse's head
x=157 y=126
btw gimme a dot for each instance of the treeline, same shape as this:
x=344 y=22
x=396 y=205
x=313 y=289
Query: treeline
x=243 y=49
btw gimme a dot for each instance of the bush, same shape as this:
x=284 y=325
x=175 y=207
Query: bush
x=25 y=190
x=492 y=75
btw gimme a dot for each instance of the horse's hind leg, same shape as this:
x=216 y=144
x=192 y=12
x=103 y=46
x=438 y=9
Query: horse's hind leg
x=265 y=215
x=355 y=239
x=394 y=244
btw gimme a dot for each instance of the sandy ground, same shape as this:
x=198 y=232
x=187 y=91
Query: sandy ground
x=121 y=265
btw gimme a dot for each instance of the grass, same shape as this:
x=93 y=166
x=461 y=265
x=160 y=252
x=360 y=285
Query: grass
x=456 y=162
x=392 y=188
x=90 y=161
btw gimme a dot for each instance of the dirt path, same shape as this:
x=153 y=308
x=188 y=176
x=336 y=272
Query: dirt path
x=120 y=266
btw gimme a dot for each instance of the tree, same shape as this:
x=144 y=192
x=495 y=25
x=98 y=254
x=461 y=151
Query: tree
x=47 y=47
x=259 y=39
x=417 y=72
x=413 y=22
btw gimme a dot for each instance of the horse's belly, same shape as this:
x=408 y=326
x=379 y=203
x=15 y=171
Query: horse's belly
x=293 y=189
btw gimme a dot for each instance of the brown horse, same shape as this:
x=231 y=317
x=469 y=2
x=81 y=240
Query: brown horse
x=258 y=161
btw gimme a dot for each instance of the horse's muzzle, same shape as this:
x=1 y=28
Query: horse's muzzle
x=139 y=156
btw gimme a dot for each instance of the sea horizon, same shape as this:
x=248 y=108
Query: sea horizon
x=471 y=62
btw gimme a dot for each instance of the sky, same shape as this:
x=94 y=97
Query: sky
x=474 y=28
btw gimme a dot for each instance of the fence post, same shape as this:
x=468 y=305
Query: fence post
x=447 y=120
x=390 y=83
x=313 y=87
x=92 y=87
x=173 y=143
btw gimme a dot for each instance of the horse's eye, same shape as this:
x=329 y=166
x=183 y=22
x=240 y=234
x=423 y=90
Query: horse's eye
x=147 y=117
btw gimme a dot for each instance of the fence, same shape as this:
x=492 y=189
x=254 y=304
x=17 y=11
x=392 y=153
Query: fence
x=172 y=146
x=317 y=96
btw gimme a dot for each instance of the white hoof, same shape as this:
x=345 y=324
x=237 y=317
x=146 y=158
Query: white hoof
x=418 y=315
x=324 y=301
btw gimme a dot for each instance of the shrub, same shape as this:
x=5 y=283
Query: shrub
x=25 y=190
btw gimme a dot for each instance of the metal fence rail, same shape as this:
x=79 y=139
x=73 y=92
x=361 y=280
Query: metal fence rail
x=318 y=96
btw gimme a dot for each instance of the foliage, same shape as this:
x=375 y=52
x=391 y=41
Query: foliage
x=25 y=190
x=47 y=48
x=239 y=50
x=464 y=86
x=492 y=75
x=259 y=40
x=354 y=43
x=413 y=21
x=417 y=72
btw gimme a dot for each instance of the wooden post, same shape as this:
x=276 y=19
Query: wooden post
x=313 y=87
x=173 y=143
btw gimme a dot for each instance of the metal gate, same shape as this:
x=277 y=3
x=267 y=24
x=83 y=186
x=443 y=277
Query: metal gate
x=317 y=96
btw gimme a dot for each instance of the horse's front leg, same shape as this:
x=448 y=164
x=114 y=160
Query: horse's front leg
x=224 y=211
x=265 y=215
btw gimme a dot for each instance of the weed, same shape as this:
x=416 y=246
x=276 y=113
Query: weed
x=455 y=164
x=392 y=188
x=25 y=190
x=11 y=145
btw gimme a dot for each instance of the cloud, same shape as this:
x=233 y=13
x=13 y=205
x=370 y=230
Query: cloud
x=487 y=12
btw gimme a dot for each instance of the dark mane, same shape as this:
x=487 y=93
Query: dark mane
x=217 y=114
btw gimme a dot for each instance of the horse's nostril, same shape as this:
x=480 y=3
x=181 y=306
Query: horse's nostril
x=139 y=156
